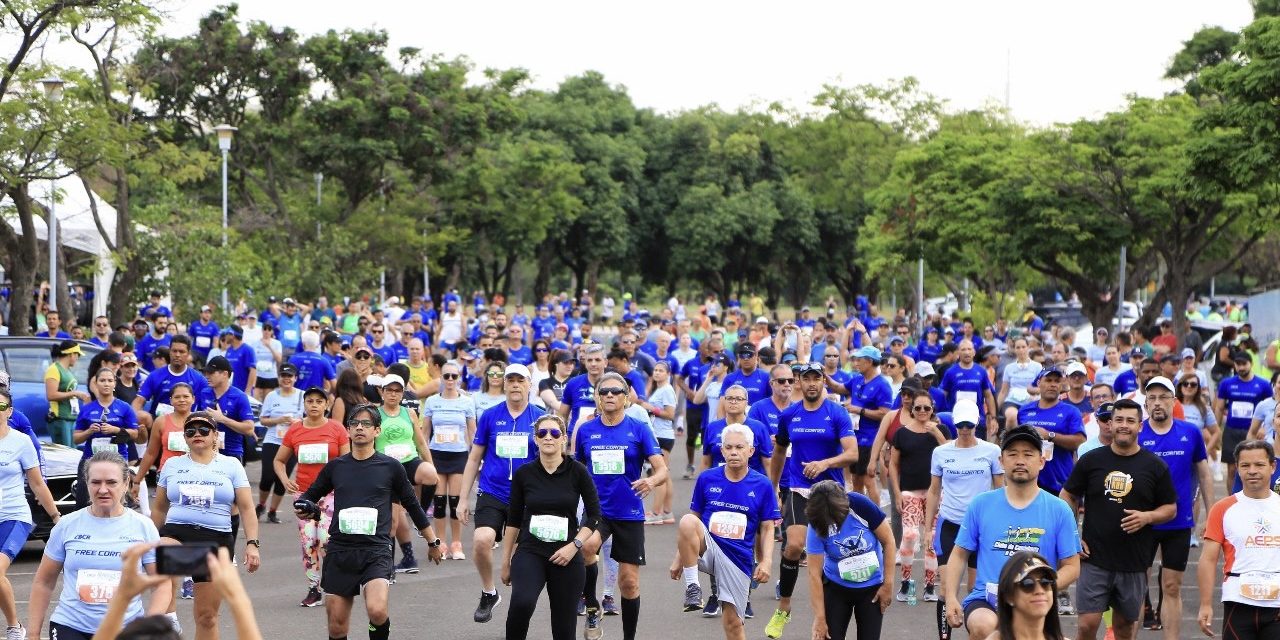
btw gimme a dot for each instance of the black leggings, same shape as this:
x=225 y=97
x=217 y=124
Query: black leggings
x=529 y=573
x=1247 y=622
x=842 y=604
x=269 y=481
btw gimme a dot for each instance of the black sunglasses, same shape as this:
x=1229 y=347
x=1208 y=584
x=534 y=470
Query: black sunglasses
x=1028 y=585
x=554 y=433
x=363 y=355
x=450 y=376
x=203 y=430
x=612 y=391
x=923 y=407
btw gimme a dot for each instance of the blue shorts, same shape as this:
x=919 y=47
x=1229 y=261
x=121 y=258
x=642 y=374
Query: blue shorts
x=13 y=534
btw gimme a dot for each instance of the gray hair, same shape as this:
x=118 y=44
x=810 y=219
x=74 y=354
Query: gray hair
x=740 y=429
x=110 y=456
x=613 y=375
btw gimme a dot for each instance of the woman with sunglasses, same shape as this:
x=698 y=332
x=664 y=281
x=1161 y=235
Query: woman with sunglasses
x=16 y=523
x=282 y=407
x=194 y=499
x=315 y=440
x=540 y=369
x=849 y=543
x=894 y=370
x=909 y=460
x=449 y=421
x=1028 y=593
x=1196 y=407
x=551 y=389
x=490 y=387
x=106 y=423
x=661 y=404
x=543 y=520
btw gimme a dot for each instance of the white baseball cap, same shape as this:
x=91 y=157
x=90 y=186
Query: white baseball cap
x=517 y=369
x=391 y=379
x=965 y=411
x=1160 y=381
x=924 y=370
x=1075 y=367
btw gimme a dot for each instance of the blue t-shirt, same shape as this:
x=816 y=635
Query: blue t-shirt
x=508 y=443
x=202 y=494
x=1126 y=382
x=1241 y=398
x=62 y=335
x=763 y=443
x=694 y=372
x=117 y=414
x=1062 y=419
x=242 y=359
x=399 y=353
x=767 y=412
x=1182 y=448
x=756 y=383
x=158 y=388
x=580 y=395
x=968 y=384
x=636 y=379
x=17 y=456
x=869 y=394
x=995 y=530
x=854 y=557
x=615 y=456
x=146 y=345
x=203 y=337
x=929 y=352
x=449 y=418
x=313 y=369
x=90 y=545
x=289 y=330
x=813 y=435
x=235 y=404
x=732 y=511
x=522 y=355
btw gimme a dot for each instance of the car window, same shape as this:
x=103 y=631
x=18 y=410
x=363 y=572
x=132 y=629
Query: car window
x=28 y=364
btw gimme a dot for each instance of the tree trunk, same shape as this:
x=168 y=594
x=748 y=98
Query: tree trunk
x=591 y=277
x=24 y=251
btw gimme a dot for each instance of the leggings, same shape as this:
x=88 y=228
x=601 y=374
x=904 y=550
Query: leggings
x=1247 y=622
x=842 y=604
x=529 y=573
x=63 y=632
x=912 y=522
x=313 y=535
x=269 y=481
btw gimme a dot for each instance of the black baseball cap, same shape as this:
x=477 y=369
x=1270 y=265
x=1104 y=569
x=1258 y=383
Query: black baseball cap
x=288 y=369
x=745 y=349
x=218 y=363
x=1024 y=432
x=315 y=391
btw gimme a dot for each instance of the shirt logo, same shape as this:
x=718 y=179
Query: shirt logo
x=1019 y=539
x=1117 y=485
x=714 y=490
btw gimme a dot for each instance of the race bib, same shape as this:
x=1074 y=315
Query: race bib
x=358 y=521
x=401 y=452
x=1241 y=409
x=163 y=409
x=177 y=442
x=855 y=419
x=265 y=365
x=513 y=445
x=291 y=335
x=195 y=496
x=993 y=594
x=203 y=342
x=1018 y=395
x=730 y=525
x=608 y=462
x=447 y=434
x=315 y=453
x=1260 y=585
x=549 y=528
x=282 y=429
x=859 y=568
x=104 y=444
x=971 y=396
x=97 y=586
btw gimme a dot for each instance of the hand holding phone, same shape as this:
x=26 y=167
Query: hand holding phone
x=185 y=560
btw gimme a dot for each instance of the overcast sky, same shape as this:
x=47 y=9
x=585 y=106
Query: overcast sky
x=1064 y=60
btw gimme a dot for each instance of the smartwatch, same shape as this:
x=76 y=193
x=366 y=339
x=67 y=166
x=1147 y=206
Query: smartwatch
x=577 y=543
x=434 y=543
x=255 y=543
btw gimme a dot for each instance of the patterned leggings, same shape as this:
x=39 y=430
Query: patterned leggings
x=912 y=522
x=313 y=535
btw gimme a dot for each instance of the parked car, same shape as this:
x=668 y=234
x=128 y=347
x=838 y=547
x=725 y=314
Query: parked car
x=59 y=469
x=26 y=359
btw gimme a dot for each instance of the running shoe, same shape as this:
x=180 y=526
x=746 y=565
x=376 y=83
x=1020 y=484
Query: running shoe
x=668 y=517
x=1065 y=608
x=592 y=630
x=748 y=613
x=314 y=598
x=273 y=518
x=692 y=598
x=259 y=510
x=930 y=593
x=688 y=472
x=652 y=518
x=188 y=588
x=713 y=607
x=455 y=551
x=15 y=633
x=407 y=564
x=903 y=591
x=1149 y=620
x=484 y=611
x=777 y=623
x=609 y=606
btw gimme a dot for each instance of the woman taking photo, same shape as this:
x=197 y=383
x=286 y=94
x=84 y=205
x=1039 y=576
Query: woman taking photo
x=15 y=514
x=105 y=424
x=551 y=390
x=281 y=408
x=194 y=499
x=315 y=440
x=662 y=411
x=490 y=387
x=60 y=389
x=449 y=420
x=849 y=544
x=909 y=460
x=84 y=551
x=1028 y=595
x=543 y=520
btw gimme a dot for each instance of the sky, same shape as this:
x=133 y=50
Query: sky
x=1060 y=61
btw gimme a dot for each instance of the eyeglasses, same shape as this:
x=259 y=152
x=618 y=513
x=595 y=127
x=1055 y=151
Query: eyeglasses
x=203 y=430
x=541 y=350
x=735 y=399
x=450 y=376
x=922 y=407
x=784 y=380
x=627 y=342
x=1028 y=585
x=357 y=423
x=4 y=406
x=554 y=433
x=612 y=391
x=396 y=389
x=363 y=356
x=377 y=332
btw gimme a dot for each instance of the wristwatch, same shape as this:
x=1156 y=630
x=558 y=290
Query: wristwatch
x=577 y=543
x=256 y=543
x=434 y=543
x=1052 y=435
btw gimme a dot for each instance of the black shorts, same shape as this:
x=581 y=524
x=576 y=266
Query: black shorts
x=693 y=424
x=1174 y=546
x=859 y=468
x=449 y=462
x=266 y=383
x=793 y=511
x=946 y=541
x=411 y=468
x=980 y=603
x=1231 y=438
x=492 y=513
x=63 y=632
x=346 y=570
x=666 y=444
x=628 y=539
x=192 y=534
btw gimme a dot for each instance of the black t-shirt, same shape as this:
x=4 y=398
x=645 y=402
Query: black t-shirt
x=372 y=483
x=915 y=453
x=554 y=496
x=555 y=385
x=1108 y=484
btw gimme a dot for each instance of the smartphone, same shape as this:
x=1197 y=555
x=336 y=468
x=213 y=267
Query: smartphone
x=185 y=560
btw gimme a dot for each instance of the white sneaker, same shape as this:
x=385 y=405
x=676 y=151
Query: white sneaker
x=15 y=633
x=885 y=498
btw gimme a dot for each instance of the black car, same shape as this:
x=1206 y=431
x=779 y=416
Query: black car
x=60 y=466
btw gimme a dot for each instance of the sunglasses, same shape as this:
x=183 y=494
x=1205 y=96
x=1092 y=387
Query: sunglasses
x=541 y=350
x=494 y=374
x=315 y=327
x=612 y=391
x=785 y=380
x=923 y=407
x=1028 y=585
x=191 y=432
x=628 y=342
x=363 y=356
x=379 y=332
x=4 y=406
x=554 y=433
x=450 y=376
x=357 y=423
x=1189 y=384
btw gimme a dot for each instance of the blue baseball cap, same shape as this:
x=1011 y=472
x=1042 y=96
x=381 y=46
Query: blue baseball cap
x=871 y=353
x=1046 y=372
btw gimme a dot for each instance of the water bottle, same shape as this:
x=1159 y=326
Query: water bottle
x=911 y=593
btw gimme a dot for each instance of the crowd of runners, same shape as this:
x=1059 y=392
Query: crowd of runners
x=1016 y=465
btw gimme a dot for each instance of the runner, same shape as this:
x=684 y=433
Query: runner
x=661 y=404
x=1250 y=608
x=869 y=399
x=544 y=500
x=503 y=442
x=315 y=440
x=909 y=479
x=733 y=508
x=358 y=555
x=1027 y=591
x=966 y=381
x=849 y=541
x=231 y=412
x=281 y=408
x=268 y=356
x=1019 y=517
x=1237 y=397
x=824 y=444
x=748 y=373
x=449 y=420
x=1126 y=490
x=104 y=424
x=735 y=400
x=1060 y=425
x=401 y=437
x=1016 y=381
x=615 y=447
x=154 y=395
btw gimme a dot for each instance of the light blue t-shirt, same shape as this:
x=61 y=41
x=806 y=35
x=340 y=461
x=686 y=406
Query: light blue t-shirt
x=484 y=401
x=449 y=421
x=89 y=549
x=277 y=404
x=1263 y=413
x=965 y=473
x=995 y=530
x=1020 y=376
x=854 y=557
x=202 y=494
x=17 y=456
x=664 y=396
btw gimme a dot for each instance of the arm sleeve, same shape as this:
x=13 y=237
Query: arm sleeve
x=590 y=497
x=782 y=438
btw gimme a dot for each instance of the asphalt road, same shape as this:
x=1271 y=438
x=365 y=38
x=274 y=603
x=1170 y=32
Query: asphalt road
x=439 y=601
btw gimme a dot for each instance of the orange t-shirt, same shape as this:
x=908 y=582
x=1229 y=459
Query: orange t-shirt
x=314 y=447
x=172 y=441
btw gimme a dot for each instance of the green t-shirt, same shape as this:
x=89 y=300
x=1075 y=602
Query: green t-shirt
x=396 y=439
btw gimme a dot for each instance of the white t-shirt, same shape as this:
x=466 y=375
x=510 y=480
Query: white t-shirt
x=965 y=473
x=664 y=396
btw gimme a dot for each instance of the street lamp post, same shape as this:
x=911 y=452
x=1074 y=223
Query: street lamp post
x=53 y=90
x=225 y=133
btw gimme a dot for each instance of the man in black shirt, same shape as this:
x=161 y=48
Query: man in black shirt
x=358 y=557
x=1126 y=489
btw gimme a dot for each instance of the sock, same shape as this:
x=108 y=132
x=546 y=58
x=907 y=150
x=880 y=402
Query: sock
x=490 y=593
x=173 y=619
x=428 y=494
x=380 y=631
x=589 y=587
x=630 y=617
x=406 y=548
x=691 y=575
x=789 y=572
